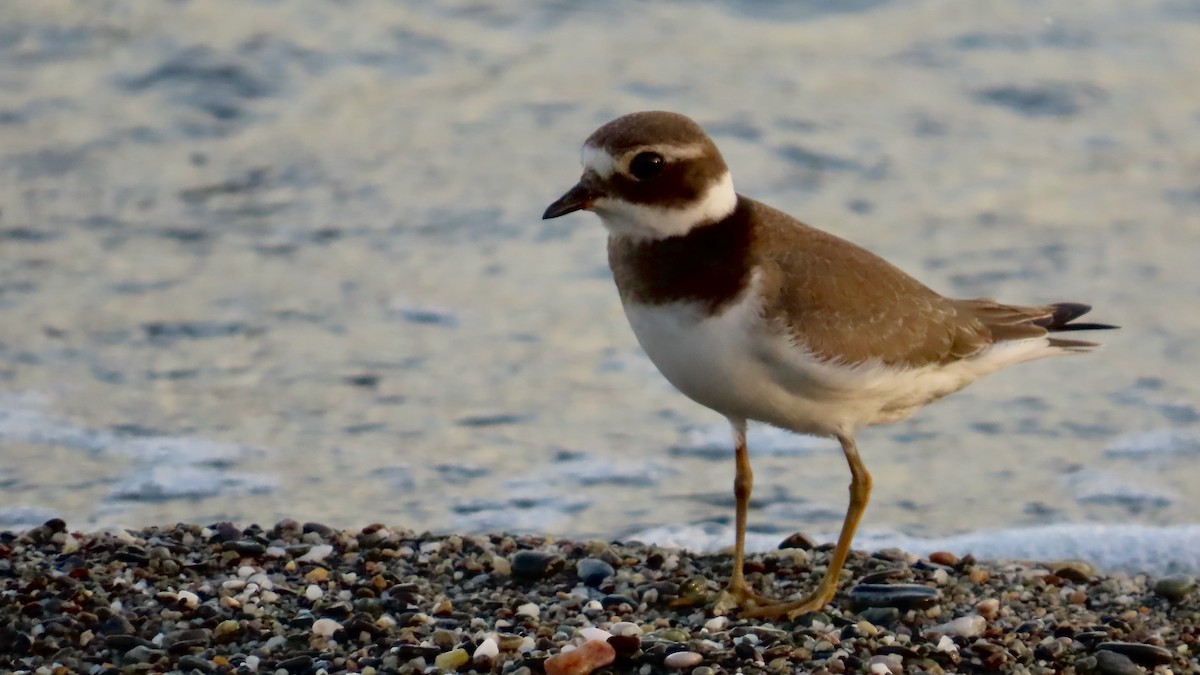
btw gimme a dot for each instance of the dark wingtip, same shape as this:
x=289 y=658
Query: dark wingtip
x=1065 y=313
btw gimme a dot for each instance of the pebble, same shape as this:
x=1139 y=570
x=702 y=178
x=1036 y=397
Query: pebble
x=587 y=657
x=886 y=664
x=432 y=597
x=988 y=609
x=189 y=599
x=245 y=547
x=593 y=633
x=625 y=645
x=1146 y=655
x=1113 y=663
x=1176 y=587
x=593 y=571
x=625 y=628
x=944 y=558
x=900 y=596
x=325 y=627
x=486 y=651
x=682 y=660
x=968 y=626
x=316 y=553
x=313 y=592
x=798 y=540
x=534 y=565
x=501 y=566
x=452 y=659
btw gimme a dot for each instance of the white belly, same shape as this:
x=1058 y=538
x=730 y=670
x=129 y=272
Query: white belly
x=734 y=364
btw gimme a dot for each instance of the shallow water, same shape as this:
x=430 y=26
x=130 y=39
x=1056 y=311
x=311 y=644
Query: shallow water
x=264 y=260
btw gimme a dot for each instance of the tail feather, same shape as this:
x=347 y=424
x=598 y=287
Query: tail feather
x=1011 y=323
x=1066 y=312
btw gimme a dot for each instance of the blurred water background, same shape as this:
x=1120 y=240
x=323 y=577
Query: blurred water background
x=265 y=259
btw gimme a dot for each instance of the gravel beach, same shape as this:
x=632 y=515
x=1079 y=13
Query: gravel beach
x=305 y=598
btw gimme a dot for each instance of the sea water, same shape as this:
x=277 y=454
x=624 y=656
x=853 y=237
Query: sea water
x=263 y=260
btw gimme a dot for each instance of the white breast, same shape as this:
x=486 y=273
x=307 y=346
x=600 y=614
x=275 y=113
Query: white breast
x=732 y=363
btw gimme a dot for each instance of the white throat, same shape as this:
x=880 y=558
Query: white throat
x=645 y=221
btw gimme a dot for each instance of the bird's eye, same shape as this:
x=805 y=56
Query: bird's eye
x=646 y=165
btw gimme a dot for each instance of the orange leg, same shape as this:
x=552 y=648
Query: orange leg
x=737 y=593
x=860 y=494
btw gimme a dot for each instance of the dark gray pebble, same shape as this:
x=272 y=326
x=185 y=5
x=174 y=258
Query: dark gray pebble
x=610 y=601
x=192 y=662
x=745 y=651
x=901 y=596
x=881 y=616
x=409 y=651
x=324 y=530
x=297 y=664
x=1146 y=655
x=142 y=654
x=124 y=643
x=1112 y=663
x=1175 y=588
x=592 y=571
x=245 y=547
x=532 y=565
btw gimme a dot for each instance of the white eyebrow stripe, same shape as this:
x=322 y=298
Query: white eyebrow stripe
x=667 y=151
x=605 y=165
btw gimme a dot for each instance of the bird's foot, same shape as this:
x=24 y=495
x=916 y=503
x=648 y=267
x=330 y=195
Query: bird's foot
x=739 y=596
x=789 y=610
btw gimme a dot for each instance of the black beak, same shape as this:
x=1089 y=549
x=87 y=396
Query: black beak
x=577 y=198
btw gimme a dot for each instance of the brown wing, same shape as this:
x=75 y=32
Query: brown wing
x=848 y=305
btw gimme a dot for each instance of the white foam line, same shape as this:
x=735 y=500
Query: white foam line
x=1116 y=548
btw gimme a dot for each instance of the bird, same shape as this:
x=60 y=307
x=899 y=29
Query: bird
x=759 y=317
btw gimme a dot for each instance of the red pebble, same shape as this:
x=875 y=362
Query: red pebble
x=587 y=657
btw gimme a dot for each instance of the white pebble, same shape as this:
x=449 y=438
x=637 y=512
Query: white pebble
x=592 y=633
x=682 y=660
x=527 y=645
x=233 y=584
x=529 y=609
x=325 y=627
x=246 y=571
x=593 y=606
x=716 y=624
x=189 y=599
x=886 y=664
x=313 y=592
x=275 y=552
x=947 y=646
x=251 y=662
x=316 y=553
x=262 y=580
x=486 y=651
x=625 y=628
x=968 y=626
